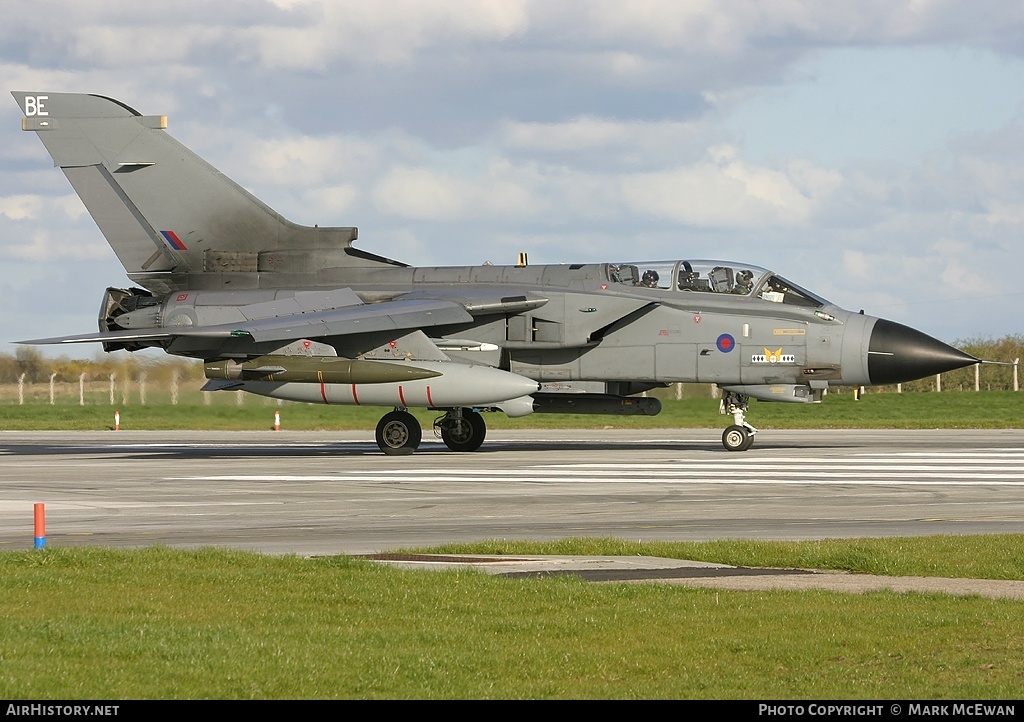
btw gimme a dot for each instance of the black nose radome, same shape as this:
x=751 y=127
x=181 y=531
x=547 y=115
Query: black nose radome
x=898 y=353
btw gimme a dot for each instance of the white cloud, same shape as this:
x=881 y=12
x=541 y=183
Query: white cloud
x=726 y=193
x=857 y=264
x=302 y=160
x=994 y=175
x=946 y=259
x=334 y=199
x=106 y=45
x=19 y=208
x=697 y=25
x=420 y=193
x=1005 y=215
x=71 y=207
x=630 y=141
x=579 y=134
x=813 y=181
x=386 y=33
x=311 y=34
x=41 y=229
x=36 y=207
x=43 y=246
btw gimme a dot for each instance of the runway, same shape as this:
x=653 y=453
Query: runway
x=332 y=493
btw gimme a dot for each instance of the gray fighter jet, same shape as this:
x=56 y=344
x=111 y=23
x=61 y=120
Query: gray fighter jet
x=298 y=312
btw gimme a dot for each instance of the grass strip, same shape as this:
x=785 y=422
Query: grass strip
x=948 y=410
x=89 y=623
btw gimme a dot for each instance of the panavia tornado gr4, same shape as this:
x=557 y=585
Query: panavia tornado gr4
x=298 y=312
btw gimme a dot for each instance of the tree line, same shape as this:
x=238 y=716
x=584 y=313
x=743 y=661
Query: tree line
x=29 y=365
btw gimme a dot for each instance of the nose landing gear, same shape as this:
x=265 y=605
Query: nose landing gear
x=740 y=435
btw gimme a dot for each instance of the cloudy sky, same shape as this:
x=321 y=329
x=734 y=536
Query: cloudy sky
x=870 y=150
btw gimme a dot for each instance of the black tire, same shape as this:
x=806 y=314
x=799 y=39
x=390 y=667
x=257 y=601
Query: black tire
x=398 y=433
x=464 y=434
x=737 y=438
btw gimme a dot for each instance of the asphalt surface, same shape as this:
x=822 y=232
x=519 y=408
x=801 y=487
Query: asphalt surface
x=701 y=574
x=329 y=493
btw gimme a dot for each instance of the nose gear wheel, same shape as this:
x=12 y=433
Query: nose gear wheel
x=740 y=435
x=462 y=429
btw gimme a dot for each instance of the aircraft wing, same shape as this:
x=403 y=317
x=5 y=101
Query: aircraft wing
x=146 y=334
x=396 y=315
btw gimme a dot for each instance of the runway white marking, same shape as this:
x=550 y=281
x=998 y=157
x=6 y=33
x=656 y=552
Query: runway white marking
x=368 y=443
x=977 y=468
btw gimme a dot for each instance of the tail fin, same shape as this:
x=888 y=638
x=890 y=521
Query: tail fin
x=164 y=210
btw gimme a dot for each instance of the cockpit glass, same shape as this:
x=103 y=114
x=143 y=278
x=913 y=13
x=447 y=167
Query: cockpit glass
x=656 y=274
x=718 y=277
x=713 y=277
x=778 y=290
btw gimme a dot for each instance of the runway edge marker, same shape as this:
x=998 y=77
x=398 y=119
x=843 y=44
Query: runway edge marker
x=40 y=526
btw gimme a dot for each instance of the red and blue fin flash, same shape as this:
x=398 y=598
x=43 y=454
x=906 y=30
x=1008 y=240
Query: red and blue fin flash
x=173 y=241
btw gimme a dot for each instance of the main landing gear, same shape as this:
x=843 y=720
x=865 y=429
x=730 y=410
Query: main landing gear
x=740 y=435
x=399 y=433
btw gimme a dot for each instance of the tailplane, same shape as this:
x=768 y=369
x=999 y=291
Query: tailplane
x=167 y=213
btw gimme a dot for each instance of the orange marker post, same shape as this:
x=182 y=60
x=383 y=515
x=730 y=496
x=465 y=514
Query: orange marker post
x=117 y=421
x=277 y=421
x=40 y=514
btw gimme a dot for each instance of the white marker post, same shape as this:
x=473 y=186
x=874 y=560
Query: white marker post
x=277 y=421
x=117 y=421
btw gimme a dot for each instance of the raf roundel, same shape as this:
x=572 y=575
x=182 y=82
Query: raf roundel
x=726 y=343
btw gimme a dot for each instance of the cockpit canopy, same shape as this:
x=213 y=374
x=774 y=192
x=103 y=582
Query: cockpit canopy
x=713 y=277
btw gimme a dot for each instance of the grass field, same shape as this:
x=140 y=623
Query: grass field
x=953 y=409
x=108 y=624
